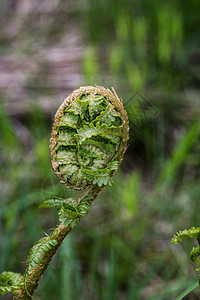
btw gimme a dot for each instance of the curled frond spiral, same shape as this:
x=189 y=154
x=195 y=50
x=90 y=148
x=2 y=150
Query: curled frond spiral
x=193 y=233
x=89 y=137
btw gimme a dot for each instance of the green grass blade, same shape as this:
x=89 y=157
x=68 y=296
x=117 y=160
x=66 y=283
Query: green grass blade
x=179 y=155
x=188 y=290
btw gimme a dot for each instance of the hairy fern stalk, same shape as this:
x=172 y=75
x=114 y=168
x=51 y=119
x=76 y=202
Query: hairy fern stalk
x=88 y=141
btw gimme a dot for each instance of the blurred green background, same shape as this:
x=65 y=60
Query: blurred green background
x=150 y=52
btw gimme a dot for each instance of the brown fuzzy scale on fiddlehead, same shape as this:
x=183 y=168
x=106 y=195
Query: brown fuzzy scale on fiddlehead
x=88 y=140
x=89 y=137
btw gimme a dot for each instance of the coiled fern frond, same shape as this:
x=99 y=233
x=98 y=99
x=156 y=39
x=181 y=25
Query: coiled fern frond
x=193 y=233
x=88 y=141
x=88 y=138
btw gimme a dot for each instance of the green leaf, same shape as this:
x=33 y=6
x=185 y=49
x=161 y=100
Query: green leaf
x=66 y=138
x=113 y=165
x=77 y=108
x=11 y=282
x=73 y=222
x=186 y=233
x=89 y=197
x=69 y=120
x=66 y=222
x=94 y=104
x=83 y=207
x=8 y=289
x=11 y=278
x=52 y=203
x=194 y=255
x=58 y=203
x=109 y=117
x=99 y=176
x=86 y=132
x=91 y=154
x=38 y=252
x=66 y=155
x=68 y=211
x=110 y=133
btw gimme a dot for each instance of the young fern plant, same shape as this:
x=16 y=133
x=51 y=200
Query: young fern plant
x=193 y=233
x=88 y=141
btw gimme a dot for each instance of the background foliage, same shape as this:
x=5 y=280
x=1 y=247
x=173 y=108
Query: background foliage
x=149 y=51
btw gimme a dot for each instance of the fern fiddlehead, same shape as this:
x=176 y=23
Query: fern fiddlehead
x=193 y=233
x=88 y=141
x=88 y=138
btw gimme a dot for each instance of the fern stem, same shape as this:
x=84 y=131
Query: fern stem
x=58 y=235
x=32 y=280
